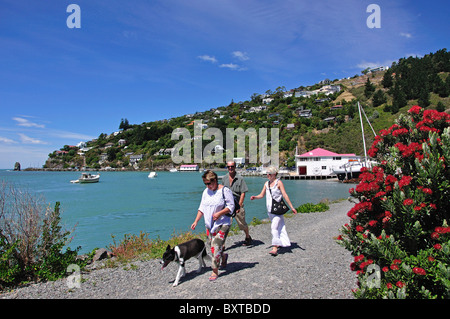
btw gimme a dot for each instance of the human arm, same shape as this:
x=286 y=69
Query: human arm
x=261 y=195
x=241 y=200
x=197 y=219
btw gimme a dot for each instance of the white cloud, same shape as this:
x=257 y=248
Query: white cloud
x=7 y=140
x=208 y=58
x=232 y=66
x=242 y=56
x=364 y=64
x=70 y=135
x=29 y=140
x=26 y=123
x=229 y=66
x=406 y=35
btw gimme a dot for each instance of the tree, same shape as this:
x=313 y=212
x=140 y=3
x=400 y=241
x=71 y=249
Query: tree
x=124 y=124
x=387 y=81
x=399 y=98
x=379 y=98
x=398 y=231
x=111 y=152
x=369 y=88
x=424 y=97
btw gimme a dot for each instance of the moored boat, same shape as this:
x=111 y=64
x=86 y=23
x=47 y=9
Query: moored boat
x=87 y=178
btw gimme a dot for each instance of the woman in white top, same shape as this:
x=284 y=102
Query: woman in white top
x=217 y=202
x=278 y=227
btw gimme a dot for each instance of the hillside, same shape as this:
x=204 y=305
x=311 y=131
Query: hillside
x=323 y=115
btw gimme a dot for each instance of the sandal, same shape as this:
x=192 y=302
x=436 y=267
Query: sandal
x=213 y=277
x=274 y=252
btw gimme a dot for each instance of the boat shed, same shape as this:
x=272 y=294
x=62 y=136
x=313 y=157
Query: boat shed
x=319 y=163
x=189 y=168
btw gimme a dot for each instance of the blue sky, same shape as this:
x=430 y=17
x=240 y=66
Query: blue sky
x=148 y=60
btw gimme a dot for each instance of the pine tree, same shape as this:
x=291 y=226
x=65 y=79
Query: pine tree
x=379 y=98
x=369 y=89
x=387 y=81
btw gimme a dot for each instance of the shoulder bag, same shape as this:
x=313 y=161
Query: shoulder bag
x=278 y=208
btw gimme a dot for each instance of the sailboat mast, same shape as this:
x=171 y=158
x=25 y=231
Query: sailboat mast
x=362 y=130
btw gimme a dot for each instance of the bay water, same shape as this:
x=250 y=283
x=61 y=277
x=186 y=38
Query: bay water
x=130 y=202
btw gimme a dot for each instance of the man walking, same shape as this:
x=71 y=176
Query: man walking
x=238 y=186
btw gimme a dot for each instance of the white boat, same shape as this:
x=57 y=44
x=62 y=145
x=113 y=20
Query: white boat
x=173 y=170
x=349 y=170
x=87 y=178
x=152 y=175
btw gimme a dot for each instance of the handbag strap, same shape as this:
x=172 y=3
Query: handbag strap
x=268 y=186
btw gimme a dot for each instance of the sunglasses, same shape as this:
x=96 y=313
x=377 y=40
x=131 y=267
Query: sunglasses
x=207 y=184
x=231 y=166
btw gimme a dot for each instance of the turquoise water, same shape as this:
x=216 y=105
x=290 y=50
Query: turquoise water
x=129 y=202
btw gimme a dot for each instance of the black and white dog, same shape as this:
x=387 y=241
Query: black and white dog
x=182 y=252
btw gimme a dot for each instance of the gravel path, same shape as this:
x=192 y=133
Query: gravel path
x=314 y=267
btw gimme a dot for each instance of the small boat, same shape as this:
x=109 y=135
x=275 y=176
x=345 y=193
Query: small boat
x=152 y=175
x=349 y=170
x=173 y=170
x=87 y=178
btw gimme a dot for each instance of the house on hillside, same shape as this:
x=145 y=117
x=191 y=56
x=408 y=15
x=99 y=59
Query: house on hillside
x=320 y=162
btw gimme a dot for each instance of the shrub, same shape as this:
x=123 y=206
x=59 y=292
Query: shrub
x=31 y=239
x=398 y=231
x=313 y=208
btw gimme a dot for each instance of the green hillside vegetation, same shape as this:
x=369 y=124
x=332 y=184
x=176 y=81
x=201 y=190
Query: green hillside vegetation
x=331 y=121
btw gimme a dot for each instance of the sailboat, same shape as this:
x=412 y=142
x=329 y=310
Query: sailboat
x=352 y=169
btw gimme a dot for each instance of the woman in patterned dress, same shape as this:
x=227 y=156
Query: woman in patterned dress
x=217 y=201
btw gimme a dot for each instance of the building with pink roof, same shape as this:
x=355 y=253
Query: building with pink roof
x=322 y=163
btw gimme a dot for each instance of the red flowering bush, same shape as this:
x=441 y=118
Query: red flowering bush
x=398 y=229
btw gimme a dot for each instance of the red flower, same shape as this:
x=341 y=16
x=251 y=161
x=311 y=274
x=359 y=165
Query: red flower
x=366 y=263
x=385 y=269
x=394 y=267
x=442 y=230
x=404 y=181
x=359 y=228
x=389 y=285
x=415 y=109
x=402 y=131
x=427 y=191
x=359 y=258
x=419 y=271
x=372 y=223
x=437 y=246
x=379 y=194
x=390 y=180
x=408 y=202
x=400 y=284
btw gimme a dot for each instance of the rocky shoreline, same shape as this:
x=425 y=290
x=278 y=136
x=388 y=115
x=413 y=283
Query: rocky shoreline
x=314 y=267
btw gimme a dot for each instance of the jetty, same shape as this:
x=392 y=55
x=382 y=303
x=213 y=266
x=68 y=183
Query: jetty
x=287 y=176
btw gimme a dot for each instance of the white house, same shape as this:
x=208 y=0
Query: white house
x=321 y=162
x=189 y=168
